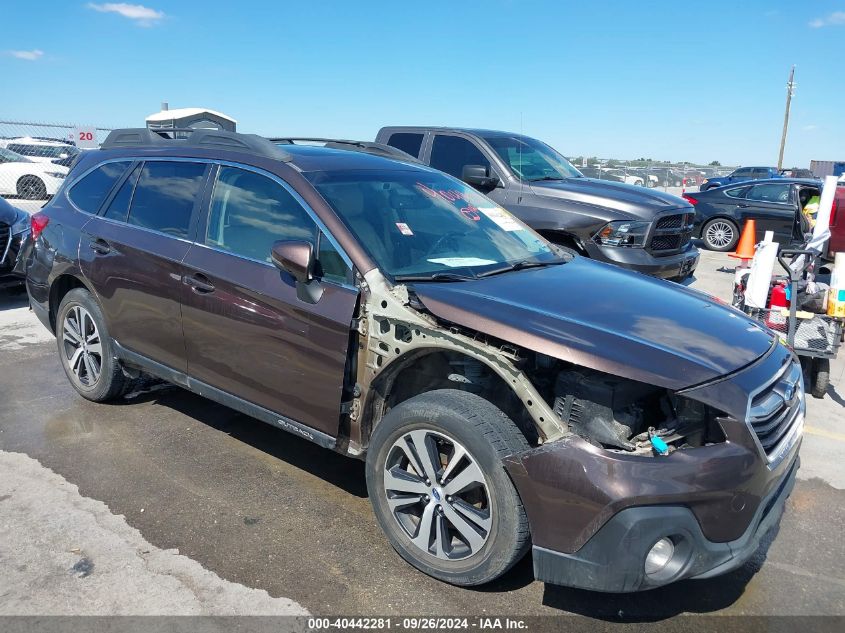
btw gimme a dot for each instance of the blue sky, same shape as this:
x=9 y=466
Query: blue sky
x=696 y=81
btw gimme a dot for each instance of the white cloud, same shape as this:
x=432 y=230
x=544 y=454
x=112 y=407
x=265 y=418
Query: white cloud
x=143 y=16
x=32 y=55
x=837 y=18
x=810 y=128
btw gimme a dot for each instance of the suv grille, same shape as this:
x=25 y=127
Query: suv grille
x=775 y=409
x=672 y=233
x=5 y=239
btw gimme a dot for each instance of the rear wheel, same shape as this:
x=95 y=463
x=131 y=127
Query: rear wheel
x=720 y=235
x=819 y=377
x=439 y=489
x=32 y=188
x=85 y=348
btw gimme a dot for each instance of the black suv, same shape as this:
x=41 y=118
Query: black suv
x=505 y=392
x=637 y=228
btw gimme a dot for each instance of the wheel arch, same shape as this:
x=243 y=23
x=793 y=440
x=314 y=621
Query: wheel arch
x=425 y=369
x=60 y=286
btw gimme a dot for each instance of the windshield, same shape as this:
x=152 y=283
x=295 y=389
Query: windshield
x=9 y=156
x=422 y=224
x=531 y=160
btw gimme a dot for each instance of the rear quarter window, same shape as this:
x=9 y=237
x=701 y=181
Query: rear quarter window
x=89 y=192
x=408 y=142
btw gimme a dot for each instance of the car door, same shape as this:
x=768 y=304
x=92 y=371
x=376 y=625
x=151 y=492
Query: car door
x=132 y=254
x=451 y=153
x=771 y=204
x=247 y=332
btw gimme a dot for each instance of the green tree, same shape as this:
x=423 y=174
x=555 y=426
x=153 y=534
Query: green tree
x=715 y=163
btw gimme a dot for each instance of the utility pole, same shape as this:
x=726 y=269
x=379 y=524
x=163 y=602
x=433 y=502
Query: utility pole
x=790 y=87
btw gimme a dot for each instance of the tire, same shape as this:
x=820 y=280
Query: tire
x=720 y=234
x=95 y=373
x=819 y=377
x=447 y=421
x=32 y=188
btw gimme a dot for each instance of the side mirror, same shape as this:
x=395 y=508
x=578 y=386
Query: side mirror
x=476 y=176
x=295 y=257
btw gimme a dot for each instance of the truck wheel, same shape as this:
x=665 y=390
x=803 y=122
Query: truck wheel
x=820 y=377
x=85 y=348
x=720 y=235
x=439 y=490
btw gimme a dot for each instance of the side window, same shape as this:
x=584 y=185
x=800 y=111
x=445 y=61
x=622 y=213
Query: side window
x=769 y=192
x=407 y=142
x=165 y=196
x=332 y=265
x=760 y=173
x=119 y=206
x=451 y=153
x=737 y=192
x=23 y=150
x=745 y=172
x=250 y=211
x=88 y=193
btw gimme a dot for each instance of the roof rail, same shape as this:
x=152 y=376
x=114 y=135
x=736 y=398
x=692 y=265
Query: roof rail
x=367 y=147
x=196 y=138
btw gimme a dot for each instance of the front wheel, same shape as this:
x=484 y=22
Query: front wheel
x=439 y=490
x=720 y=235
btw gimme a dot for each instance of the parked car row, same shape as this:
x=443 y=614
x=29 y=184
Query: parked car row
x=505 y=392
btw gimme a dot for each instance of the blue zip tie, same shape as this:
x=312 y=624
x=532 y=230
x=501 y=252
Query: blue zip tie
x=659 y=445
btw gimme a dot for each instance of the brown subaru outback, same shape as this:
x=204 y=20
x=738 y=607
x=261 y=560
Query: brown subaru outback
x=506 y=394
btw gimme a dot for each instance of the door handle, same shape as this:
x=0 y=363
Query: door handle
x=743 y=206
x=100 y=246
x=198 y=283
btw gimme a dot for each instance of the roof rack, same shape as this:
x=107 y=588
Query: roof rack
x=367 y=147
x=196 y=138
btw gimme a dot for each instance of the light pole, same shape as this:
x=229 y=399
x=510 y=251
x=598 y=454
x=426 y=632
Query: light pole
x=790 y=88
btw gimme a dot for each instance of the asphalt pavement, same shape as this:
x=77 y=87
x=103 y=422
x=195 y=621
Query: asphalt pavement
x=269 y=512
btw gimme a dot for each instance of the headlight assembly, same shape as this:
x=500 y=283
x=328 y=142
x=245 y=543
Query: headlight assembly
x=623 y=233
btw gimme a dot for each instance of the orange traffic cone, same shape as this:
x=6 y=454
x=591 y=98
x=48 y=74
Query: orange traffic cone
x=745 y=248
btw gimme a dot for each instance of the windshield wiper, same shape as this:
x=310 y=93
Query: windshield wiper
x=521 y=265
x=435 y=277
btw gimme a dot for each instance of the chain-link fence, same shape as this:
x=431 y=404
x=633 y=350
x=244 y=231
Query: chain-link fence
x=36 y=157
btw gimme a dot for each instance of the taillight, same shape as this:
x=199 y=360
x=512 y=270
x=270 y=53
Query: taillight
x=833 y=211
x=38 y=223
x=690 y=199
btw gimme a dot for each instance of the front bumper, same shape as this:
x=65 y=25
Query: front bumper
x=640 y=260
x=8 y=259
x=613 y=559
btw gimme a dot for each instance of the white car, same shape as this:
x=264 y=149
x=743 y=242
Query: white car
x=630 y=179
x=41 y=150
x=26 y=179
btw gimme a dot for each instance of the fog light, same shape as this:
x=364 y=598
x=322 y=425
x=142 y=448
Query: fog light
x=659 y=556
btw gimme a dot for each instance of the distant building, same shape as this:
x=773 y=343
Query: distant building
x=196 y=118
x=822 y=168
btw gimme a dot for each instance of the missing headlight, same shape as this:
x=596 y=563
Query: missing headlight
x=617 y=413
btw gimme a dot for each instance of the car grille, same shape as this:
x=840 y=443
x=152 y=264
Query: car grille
x=671 y=233
x=5 y=240
x=776 y=409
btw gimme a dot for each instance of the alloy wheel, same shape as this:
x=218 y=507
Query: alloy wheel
x=83 y=351
x=438 y=494
x=719 y=234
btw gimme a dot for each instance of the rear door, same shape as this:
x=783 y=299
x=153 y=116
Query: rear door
x=740 y=175
x=773 y=207
x=247 y=332
x=132 y=254
x=409 y=142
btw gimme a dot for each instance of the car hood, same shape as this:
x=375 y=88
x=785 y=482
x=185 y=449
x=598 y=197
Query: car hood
x=600 y=316
x=631 y=200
